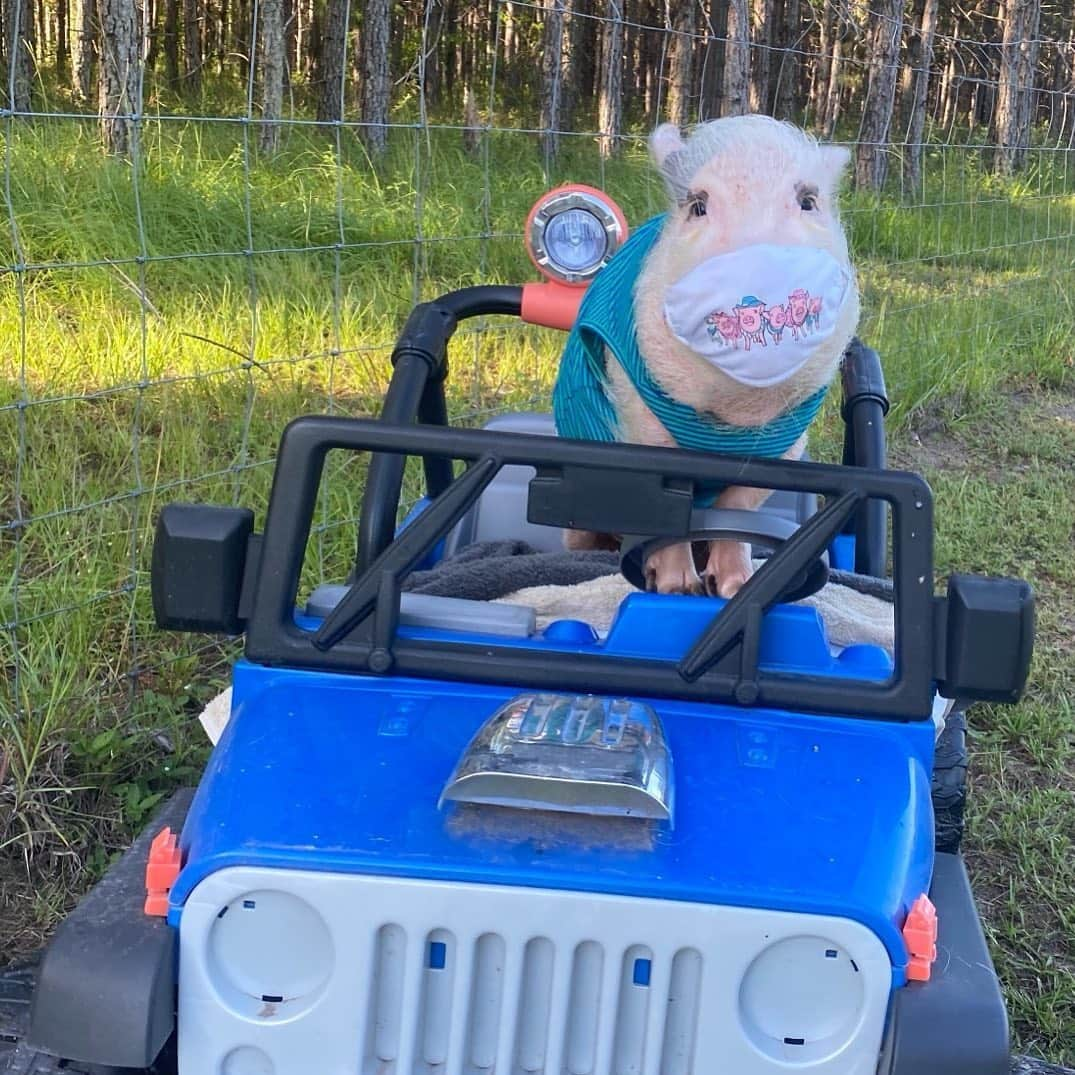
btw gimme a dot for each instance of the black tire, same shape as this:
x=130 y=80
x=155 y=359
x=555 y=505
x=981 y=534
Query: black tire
x=950 y=781
x=1027 y=1065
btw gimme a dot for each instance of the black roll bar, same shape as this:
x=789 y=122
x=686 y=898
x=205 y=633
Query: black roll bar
x=361 y=637
x=865 y=405
x=416 y=391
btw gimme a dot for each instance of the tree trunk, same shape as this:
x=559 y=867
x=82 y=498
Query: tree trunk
x=830 y=114
x=572 y=91
x=149 y=20
x=918 y=92
x=395 y=42
x=42 y=32
x=272 y=63
x=646 y=60
x=761 y=38
x=787 y=95
x=219 y=21
x=582 y=79
x=118 y=73
x=242 y=29
x=19 y=34
x=871 y=161
x=1067 y=116
x=376 y=76
x=610 y=96
x=465 y=54
x=308 y=40
x=1015 y=89
x=712 y=77
x=471 y=121
x=736 y=59
x=171 y=42
x=949 y=84
x=193 y=13
x=905 y=90
x=429 y=61
x=331 y=62
x=1057 y=72
x=510 y=38
x=63 y=54
x=821 y=68
x=288 y=15
x=85 y=50
x=552 y=77
x=680 y=18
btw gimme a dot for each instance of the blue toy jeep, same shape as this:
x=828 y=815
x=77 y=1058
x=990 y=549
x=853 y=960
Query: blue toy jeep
x=436 y=838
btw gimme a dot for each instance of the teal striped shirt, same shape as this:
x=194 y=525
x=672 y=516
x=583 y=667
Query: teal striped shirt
x=581 y=404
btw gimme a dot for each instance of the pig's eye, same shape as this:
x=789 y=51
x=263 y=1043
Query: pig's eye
x=696 y=204
x=807 y=198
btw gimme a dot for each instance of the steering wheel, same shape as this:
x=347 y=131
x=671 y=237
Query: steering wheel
x=753 y=527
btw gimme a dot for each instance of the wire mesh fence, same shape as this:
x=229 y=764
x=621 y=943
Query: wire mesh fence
x=166 y=308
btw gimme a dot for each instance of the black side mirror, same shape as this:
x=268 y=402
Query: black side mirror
x=199 y=556
x=985 y=638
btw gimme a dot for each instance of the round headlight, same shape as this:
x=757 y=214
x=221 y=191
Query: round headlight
x=572 y=232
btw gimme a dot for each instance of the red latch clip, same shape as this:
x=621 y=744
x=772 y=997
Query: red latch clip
x=161 y=871
x=920 y=936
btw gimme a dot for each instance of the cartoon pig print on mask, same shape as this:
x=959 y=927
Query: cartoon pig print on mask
x=776 y=318
x=813 y=318
x=749 y=315
x=726 y=324
x=798 y=303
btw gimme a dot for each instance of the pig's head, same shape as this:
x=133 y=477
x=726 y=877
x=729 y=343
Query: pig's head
x=749 y=314
x=776 y=316
x=797 y=305
x=745 y=189
x=726 y=324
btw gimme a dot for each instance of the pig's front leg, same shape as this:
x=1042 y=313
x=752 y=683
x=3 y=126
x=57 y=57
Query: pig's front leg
x=729 y=566
x=671 y=569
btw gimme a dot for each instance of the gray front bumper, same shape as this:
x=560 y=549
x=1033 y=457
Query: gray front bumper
x=956 y=1023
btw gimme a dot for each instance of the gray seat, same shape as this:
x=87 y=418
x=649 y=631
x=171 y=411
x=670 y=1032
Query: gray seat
x=500 y=514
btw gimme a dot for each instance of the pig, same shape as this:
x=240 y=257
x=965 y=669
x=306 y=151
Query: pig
x=749 y=313
x=734 y=183
x=813 y=311
x=727 y=325
x=798 y=309
x=776 y=318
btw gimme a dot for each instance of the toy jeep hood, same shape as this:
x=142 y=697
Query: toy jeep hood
x=819 y=815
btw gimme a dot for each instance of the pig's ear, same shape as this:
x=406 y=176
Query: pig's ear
x=664 y=141
x=834 y=161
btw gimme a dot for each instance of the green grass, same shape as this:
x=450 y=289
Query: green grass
x=145 y=356
x=1002 y=480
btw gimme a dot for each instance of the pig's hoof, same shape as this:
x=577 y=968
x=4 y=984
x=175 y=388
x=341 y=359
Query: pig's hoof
x=727 y=569
x=726 y=587
x=671 y=570
x=673 y=582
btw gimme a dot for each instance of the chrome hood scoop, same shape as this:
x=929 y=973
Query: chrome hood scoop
x=580 y=754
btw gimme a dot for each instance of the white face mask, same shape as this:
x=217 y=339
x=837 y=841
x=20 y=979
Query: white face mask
x=759 y=313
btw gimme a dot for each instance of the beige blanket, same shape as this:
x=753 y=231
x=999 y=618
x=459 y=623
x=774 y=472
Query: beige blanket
x=849 y=617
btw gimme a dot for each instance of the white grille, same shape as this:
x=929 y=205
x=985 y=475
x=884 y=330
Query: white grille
x=519 y=1002
x=289 y=973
